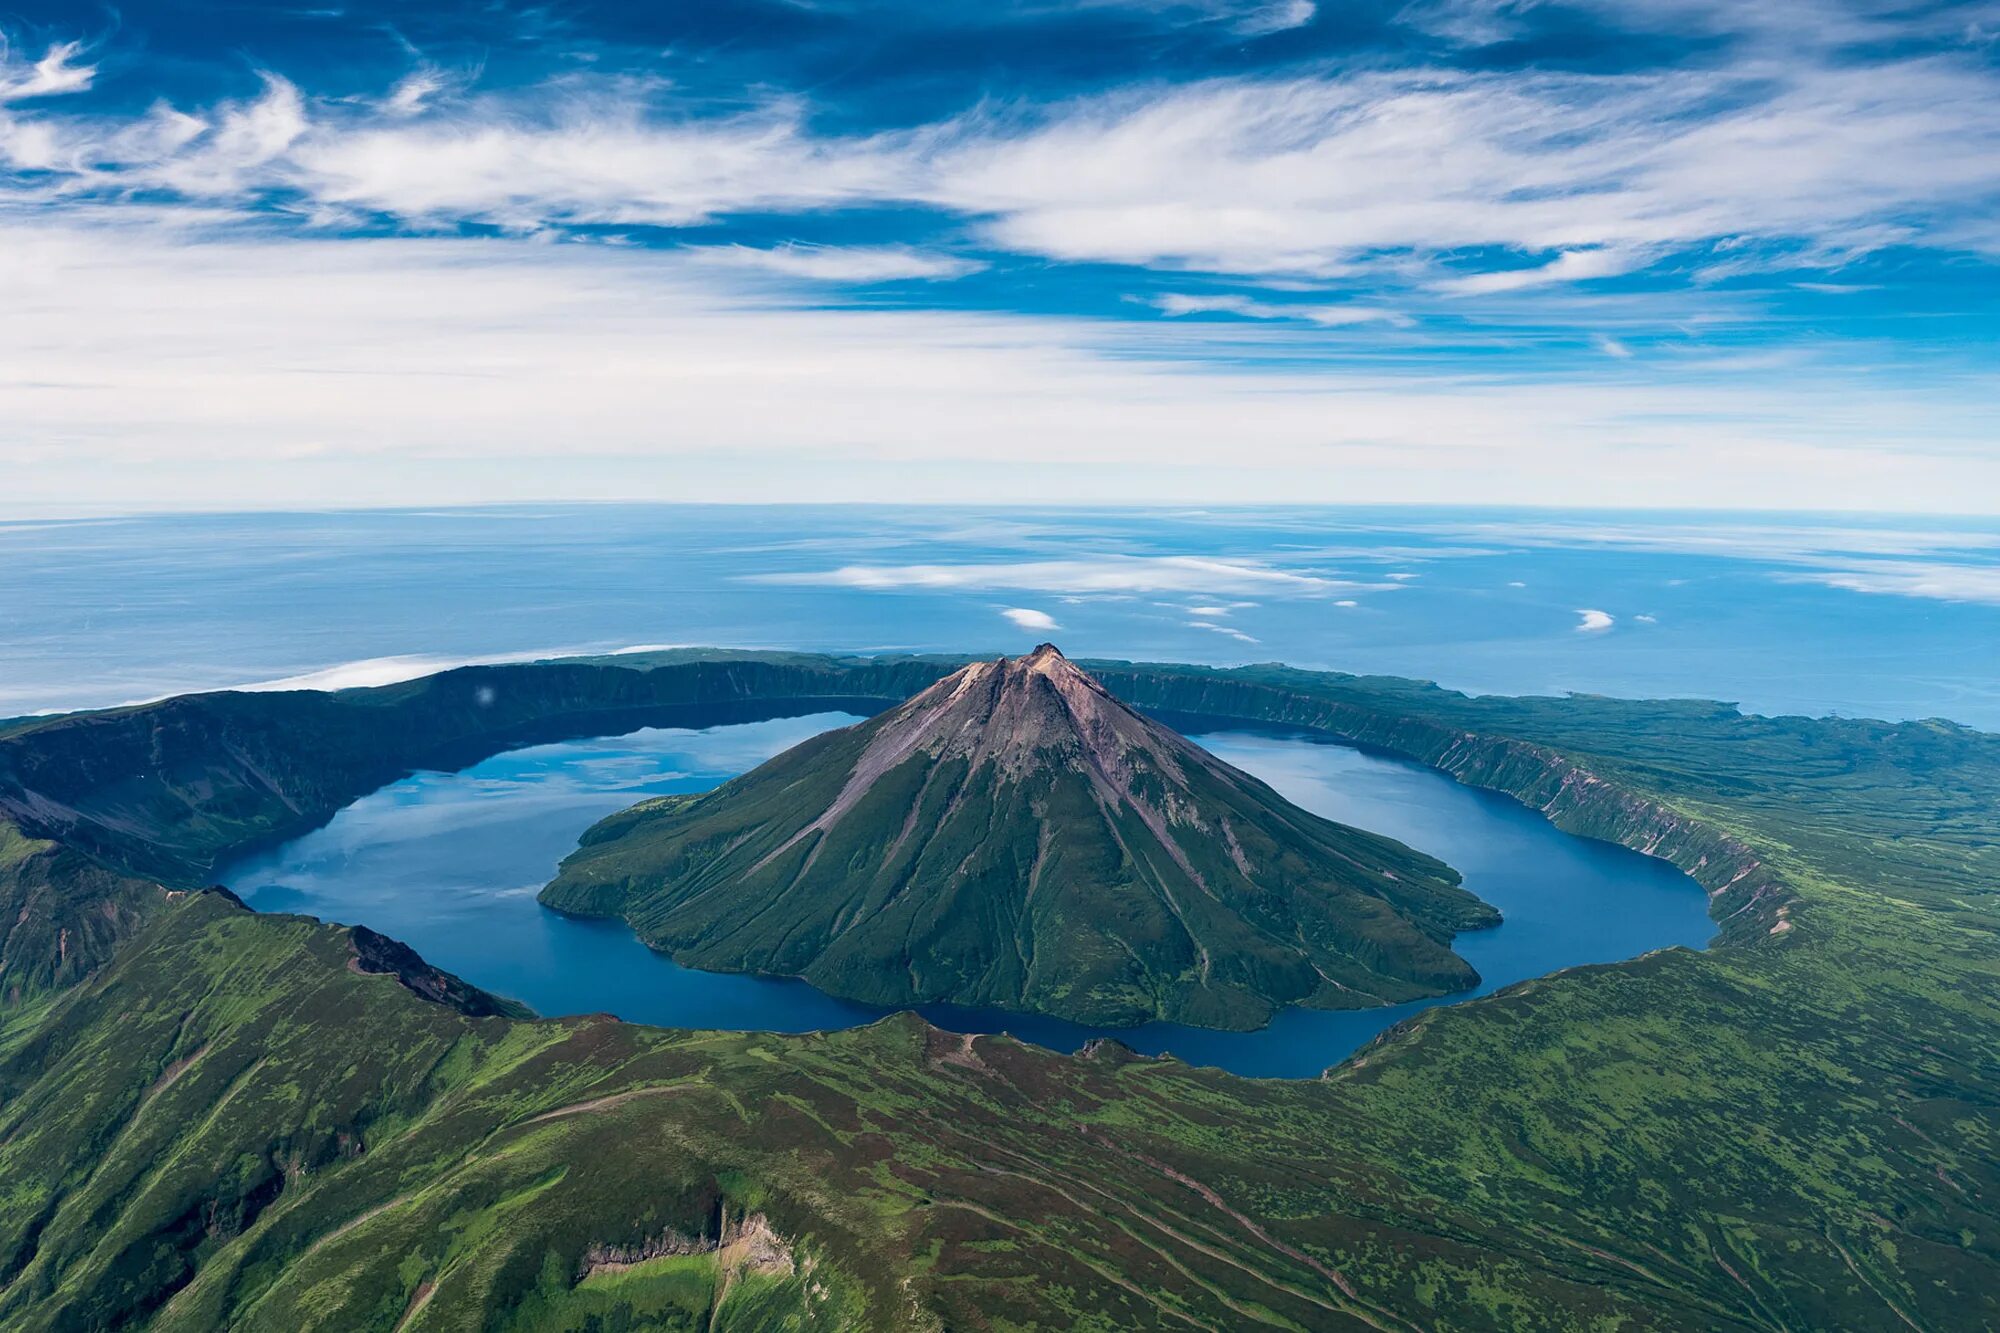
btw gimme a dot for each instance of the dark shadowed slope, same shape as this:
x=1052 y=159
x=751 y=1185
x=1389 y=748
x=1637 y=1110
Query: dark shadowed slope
x=1015 y=837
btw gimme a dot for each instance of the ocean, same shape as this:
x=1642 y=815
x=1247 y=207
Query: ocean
x=1887 y=617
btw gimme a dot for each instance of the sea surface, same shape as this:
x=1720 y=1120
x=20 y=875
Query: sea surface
x=1888 y=617
x=451 y=863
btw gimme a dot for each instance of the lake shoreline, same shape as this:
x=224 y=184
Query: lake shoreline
x=566 y=965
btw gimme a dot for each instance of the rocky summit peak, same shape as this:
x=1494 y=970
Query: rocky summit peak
x=1020 y=713
x=1014 y=836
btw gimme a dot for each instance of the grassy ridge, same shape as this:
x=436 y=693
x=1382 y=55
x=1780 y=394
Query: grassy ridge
x=232 y=1128
x=1798 y=1129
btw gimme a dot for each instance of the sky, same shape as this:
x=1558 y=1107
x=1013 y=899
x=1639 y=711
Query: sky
x=1708 y=253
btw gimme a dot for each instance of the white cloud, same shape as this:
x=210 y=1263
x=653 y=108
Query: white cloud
x=1250 y=18
x=1104 y=574
x=1326 y=316
x=368 y=672
x=167 y=342
x=1781 y=24
x=1347 y=601
x=826 y=263
x=158 y=363
x=595 y=155
x=153 y=365
x=1229 y=631
x=1790 y=542
x=1569 y=266
x=1612 y=347
x=415 y=91
x=1025 y=617
x=51 y=76
x=372 y=671
x=1944 y=582
x=1647 y=620
x=1277 y=16
x=1593 y=622
x=160 y=134
x=235 y=151
x=1577 y=176
x=1594 y=173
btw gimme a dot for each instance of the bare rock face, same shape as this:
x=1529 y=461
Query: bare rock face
x=1014 y=837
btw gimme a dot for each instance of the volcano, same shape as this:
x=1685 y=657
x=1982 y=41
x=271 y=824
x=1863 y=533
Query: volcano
x=1016 y=838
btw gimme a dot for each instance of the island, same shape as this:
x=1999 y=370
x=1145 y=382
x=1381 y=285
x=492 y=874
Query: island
x=1014 y=837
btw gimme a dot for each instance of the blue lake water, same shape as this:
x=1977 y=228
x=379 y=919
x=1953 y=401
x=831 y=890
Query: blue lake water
x=1886 y=617
x=451 y=863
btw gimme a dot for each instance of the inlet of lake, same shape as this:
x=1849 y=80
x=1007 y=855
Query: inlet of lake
x=450 y=863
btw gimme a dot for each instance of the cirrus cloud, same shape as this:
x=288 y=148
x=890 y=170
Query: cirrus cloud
x=54 y=74
x=1578 y=177
x=360 y=286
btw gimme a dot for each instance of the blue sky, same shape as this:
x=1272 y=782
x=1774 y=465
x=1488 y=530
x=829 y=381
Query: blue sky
x=1685 y=252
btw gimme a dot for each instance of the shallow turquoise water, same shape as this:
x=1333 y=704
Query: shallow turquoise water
x=451 y=862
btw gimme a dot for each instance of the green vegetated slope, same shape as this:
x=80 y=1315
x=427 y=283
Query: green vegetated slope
x=1014 y=837
x=100 y=812
x=228 y=1125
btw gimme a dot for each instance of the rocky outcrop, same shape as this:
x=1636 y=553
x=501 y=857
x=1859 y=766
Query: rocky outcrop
x=374 y=952
x=745 y=1243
